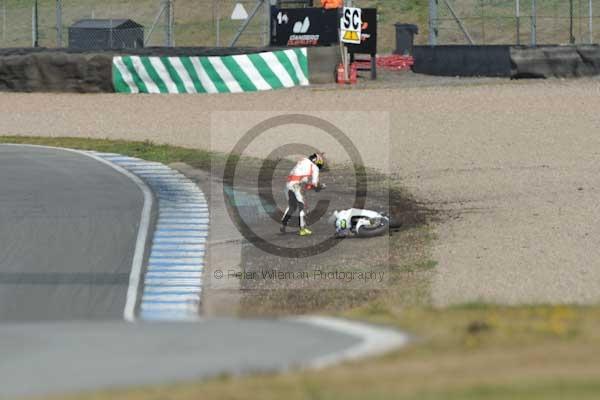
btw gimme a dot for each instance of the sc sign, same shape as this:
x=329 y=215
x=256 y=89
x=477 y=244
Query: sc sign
x=350 y=25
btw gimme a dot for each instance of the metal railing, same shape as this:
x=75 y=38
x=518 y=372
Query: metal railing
x=209 y=23
x=527 y=22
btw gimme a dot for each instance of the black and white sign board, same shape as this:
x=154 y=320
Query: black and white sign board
x=296 y=27
x=351 y=25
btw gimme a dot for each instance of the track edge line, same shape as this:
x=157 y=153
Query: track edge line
x=374 y=340
x=143 y=230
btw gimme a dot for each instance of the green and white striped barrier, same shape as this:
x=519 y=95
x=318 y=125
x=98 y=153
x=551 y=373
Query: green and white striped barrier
x=225 y=74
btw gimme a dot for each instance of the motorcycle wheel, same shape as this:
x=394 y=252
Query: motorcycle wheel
x=366 y=232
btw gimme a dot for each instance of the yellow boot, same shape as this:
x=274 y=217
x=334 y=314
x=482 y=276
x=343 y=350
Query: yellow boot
x=305 y=232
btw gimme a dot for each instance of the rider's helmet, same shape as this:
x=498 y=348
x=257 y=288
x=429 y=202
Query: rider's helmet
x=317 y=159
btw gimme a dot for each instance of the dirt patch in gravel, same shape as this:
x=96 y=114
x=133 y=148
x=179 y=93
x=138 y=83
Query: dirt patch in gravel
x=351 y=273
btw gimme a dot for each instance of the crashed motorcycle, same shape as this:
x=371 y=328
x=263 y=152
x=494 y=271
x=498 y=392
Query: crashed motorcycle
x=360 y=223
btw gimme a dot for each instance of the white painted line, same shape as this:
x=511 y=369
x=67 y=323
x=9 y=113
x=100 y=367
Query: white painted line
x=202 y=224
x=172 y=289
x=183 y=221
x=150 y=165
x=172 y=209
x=151 y=173
x=144 y=164
x=177 y=253
x=103 y=154
x=184 y=201
x=174 y=274
x=173 y=277
x=170 y=191
x=168 y=179
x=180 y=239
x=169 y=206
x=142 y=234
x=188 y=196
x=174 y=281
x=160 y=171
x=179 y=246
x=174 y=306
x=171 y=297
x=374 y=340
x=175 y=267
x=181 y=191
x=175 y=316
x=179 y=188
x=168 y=215
x=181 y=194
x=174 y=260
x=138 y=256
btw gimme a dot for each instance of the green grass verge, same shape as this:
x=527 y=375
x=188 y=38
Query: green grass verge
x=471 y=352
x=145 y=150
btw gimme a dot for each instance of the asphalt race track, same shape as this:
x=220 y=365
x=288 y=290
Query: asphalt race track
x=68 y=226
x=68 y=231
x=61 y=358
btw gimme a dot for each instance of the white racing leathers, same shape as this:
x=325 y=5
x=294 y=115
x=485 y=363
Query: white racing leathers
x=304 y=176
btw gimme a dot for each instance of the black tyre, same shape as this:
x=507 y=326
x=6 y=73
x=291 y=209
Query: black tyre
x=367 y=232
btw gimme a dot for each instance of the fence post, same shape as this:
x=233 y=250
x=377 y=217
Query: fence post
x=533 y=24
x=571 y=36
x=4 y=21
x=168 y=8
x=34 y=25
x=518 y=20
x=591 y=21
x=482 y=5
x=267 y=37
x=433 y=22
x=59 y=32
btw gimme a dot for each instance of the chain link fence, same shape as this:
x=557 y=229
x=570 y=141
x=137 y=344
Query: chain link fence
x=165 y=22
x=516 y=21
x=209 y=23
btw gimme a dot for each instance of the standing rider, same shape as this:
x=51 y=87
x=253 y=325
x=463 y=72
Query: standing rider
x=304 y=176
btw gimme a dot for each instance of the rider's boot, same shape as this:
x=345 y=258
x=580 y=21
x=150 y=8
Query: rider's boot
x=305 y=232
